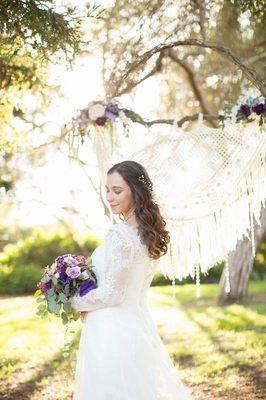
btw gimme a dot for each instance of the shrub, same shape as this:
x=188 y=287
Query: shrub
x=22 y=264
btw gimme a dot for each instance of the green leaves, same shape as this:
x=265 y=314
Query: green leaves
x=64 y=318
x=41 y=307
x=67 y=289
x=67 y=307
x=54 y=280
x=41 y=299
x=42 y=310
x=53 y=306
x=62 y=297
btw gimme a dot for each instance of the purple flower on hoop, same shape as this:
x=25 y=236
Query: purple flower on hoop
x=101 y=121
x=258 y=108
x=111 y=111
x=245 y=109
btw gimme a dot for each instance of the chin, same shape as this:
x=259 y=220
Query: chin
x=115 y=211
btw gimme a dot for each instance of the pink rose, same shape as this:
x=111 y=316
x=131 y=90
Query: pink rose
x=73 y=272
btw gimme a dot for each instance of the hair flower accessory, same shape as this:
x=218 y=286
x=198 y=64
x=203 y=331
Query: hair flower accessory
x=144 y=181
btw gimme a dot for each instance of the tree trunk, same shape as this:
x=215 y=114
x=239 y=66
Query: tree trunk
x=240 y=264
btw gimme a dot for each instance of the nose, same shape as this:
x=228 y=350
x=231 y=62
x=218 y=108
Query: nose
x=110 y=199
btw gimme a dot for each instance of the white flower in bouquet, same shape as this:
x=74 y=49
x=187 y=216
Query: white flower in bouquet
x=85 y=275
x=53 y=268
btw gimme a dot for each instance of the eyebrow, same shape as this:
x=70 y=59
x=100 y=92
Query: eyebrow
x=115 y=187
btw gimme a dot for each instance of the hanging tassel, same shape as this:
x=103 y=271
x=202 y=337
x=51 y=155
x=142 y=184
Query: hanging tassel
x=227 y=277
x=198 y=265
x=198 y=280
x=252 y=236
x=173 y=275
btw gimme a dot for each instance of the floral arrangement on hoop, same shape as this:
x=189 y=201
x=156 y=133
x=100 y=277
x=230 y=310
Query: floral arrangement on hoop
x=246 y=110
x=105 y=115
x=98 y=113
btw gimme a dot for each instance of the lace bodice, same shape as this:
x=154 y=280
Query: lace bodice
x=124 y=271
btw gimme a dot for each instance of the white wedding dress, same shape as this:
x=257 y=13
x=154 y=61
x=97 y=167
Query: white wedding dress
x=121 y=355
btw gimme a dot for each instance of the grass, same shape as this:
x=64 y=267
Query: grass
x=218 y=351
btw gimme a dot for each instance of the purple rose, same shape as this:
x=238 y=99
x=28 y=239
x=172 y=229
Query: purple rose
x=258 y=108
x=101 y=121
x=67 y=260
x=70 y=260
x=245 y=109
x=73 y=272
x=86 y=287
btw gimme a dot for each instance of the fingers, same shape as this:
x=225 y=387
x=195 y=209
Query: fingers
x=82 y=315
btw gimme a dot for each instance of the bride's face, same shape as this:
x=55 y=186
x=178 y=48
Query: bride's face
x=118 y=194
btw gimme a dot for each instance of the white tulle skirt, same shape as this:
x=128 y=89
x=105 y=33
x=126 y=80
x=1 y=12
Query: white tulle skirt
x=121 y=357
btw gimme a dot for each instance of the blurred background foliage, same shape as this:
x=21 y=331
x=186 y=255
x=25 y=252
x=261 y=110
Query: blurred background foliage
x=22 y=261
x=26 y=252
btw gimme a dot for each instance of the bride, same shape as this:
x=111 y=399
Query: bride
x=121 y=355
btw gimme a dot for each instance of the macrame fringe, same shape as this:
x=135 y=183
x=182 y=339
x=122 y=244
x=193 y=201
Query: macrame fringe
x=208 y=240
x=203 y=230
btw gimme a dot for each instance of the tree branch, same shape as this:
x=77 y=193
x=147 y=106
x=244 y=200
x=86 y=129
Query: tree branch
x=256 y=58
x=138 y=119
x=193 y=82
x=202 y=17
x=157 y=68
x=250 y=73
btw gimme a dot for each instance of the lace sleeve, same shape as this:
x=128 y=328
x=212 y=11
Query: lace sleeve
x=118 y=255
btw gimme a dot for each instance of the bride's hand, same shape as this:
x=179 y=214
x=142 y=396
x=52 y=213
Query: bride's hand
x=82 y=314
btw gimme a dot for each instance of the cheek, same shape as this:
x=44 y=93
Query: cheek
x=120 y=198
x=124 y=198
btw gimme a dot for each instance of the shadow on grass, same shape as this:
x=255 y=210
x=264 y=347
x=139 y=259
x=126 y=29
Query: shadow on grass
x=7 y=365
x=185 y=360
x=245 y=369
x=55 y=364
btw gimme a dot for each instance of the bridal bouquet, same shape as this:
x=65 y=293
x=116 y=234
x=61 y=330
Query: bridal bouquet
x=68 y=275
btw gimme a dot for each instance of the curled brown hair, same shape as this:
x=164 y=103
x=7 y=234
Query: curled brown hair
x=150 y=221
